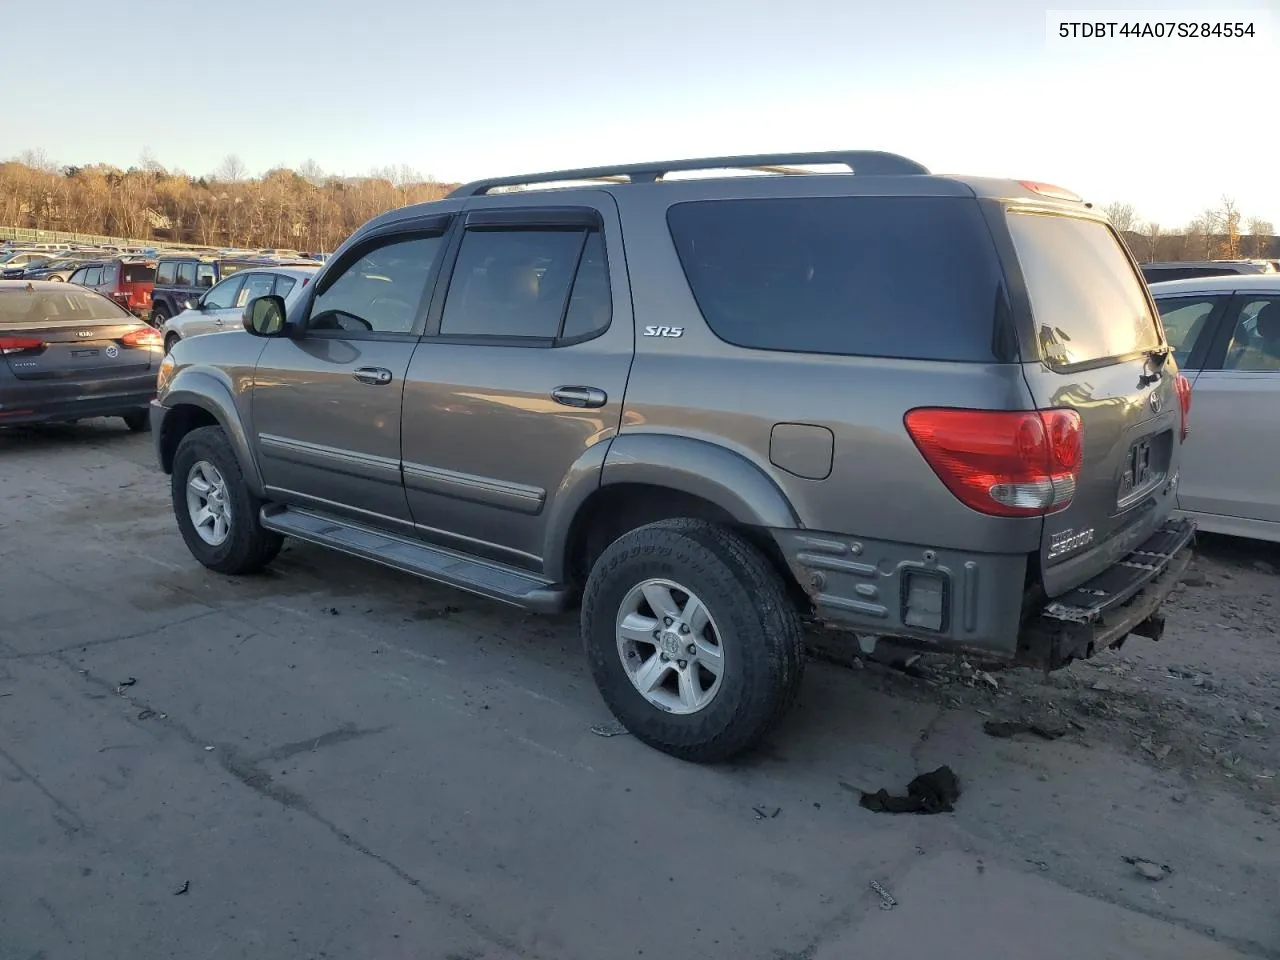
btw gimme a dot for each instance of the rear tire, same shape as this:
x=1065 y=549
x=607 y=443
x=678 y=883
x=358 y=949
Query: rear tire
x=757 y=656
x=205 y=459
x=170 y=342
x=139 y=421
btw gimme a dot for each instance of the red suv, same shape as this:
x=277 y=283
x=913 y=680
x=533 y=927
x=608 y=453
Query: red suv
x=126 y=280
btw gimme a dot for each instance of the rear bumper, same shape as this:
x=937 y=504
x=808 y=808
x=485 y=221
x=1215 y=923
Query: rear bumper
x=62 y=411
x=983 y=604
x=1124 y=599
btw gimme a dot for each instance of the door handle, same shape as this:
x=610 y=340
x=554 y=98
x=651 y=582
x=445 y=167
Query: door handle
x=580 y=396
x=377 y=376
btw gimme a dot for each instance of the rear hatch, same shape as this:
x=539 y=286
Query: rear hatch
x=71 y=335
x=136 y=283
x=1096 y=351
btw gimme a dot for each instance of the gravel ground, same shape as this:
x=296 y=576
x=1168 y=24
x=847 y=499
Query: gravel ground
x=334 y=760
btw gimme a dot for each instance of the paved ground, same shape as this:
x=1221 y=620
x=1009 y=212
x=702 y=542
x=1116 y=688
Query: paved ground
x=331 y=761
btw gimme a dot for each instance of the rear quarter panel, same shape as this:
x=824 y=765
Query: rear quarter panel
x=879 y=486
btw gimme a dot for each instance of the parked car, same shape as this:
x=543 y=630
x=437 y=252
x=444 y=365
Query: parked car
x=707 y=410
x=1187 y=269
x=1226 y=331
x=14 y=263
x=59 y=270
x=221 y=308
x=126 y=280
x=183 y=277
x=67 y=353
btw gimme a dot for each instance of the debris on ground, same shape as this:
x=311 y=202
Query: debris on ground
x=1148 y=869
x=182 y=890
x=608 y=729
x=334 y=611
x=146 y=714
x=124 y=684
x=766 y=813
x=886 y=899
x=933 y=792
x=1041 y=728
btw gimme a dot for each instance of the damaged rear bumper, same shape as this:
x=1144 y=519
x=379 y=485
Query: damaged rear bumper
x=1101 y=613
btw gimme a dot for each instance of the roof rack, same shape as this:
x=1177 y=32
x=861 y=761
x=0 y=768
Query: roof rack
x=864 y=162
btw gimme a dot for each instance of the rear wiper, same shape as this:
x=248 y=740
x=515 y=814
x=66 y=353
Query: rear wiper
x=1157 y=356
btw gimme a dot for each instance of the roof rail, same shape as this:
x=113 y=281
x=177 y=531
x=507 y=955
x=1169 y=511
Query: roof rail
x=864 y=162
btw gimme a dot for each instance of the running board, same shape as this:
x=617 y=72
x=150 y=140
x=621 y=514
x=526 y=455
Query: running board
x=485 y=578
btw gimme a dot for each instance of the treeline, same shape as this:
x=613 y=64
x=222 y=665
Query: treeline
x=306 y=209
x=302 y=210
x=1220 y=233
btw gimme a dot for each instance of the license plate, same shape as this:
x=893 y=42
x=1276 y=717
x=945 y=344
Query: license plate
x=1137 y=471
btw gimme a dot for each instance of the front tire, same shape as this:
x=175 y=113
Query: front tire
x=215 y=510
x=692 y=639
x=170 y=342
x=158 y=316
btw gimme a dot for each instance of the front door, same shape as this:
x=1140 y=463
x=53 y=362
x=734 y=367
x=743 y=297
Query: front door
x=215 y=309
x=326 y=400
x=520 y=378
x=1232 y=457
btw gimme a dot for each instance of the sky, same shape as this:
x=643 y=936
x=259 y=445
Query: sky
x=490 y=87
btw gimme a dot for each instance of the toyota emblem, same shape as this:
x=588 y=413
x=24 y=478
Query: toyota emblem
x=1157 y=402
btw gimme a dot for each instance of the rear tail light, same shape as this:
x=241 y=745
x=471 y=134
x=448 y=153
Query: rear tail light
x=1003 y=463
x=146 y=337
x=1183 y=386
x=10 y=345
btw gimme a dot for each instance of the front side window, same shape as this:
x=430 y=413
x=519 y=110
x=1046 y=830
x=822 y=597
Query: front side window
x=1255 y=338
x=523 y=283
x=380 y=291
x=284 y=285
x=1185 y=320
x=223 y=296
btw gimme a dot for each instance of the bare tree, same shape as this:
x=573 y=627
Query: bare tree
x=1229 y=221
x=1152 y=233
x=37 y=160
x=1260 y=233
x=231 y=170
x=1121 y=216
x=311 y=172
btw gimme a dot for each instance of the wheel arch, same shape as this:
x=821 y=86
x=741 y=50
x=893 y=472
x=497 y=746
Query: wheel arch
x=196 y=399
x=647 y=478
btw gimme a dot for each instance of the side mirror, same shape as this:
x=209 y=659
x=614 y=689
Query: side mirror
x=190 y=304
x=264 y=316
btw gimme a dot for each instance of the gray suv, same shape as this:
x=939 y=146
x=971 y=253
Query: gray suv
x=709 y=410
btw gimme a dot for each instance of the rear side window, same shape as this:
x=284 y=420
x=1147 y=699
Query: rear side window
x=186 y=274
x=908 y=277
x=166 y=273
x=111 y=273
x=1087 y=302
x=1185 y=321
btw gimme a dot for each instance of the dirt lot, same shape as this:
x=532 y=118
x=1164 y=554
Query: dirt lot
x=335 y=761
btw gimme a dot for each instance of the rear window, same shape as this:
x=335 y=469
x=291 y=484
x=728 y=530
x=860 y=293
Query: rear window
x=22 y=307
x=227 y=269
x=1088 y=303
x=906 y=277
x=139 y=273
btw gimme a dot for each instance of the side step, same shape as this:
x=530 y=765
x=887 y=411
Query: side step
x=485 y=578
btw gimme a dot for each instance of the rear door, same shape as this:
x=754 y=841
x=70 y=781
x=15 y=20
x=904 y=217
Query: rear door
x=1233 y=454
x=1091 y=346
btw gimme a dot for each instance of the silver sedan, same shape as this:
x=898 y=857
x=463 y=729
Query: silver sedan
x=1225 y=332
x=220 y=308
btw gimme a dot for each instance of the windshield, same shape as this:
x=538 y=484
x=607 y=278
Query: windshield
x=1088 y=302
x=24 y=307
